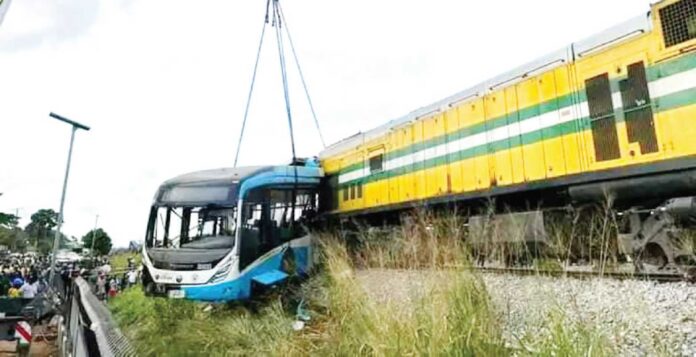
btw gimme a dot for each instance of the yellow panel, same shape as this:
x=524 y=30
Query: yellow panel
x=455 y=166
x=534 y=161
x=481 y=169
x=554 y=153
x=431 y=179
x=441 y=179
x=466 y=116
x=500 y=165
x=681 y=141
x=394 y=196
x=571 y=148
x=516 y=157
x=406 y=183
x=381 y=187
x=345 y=204
x=419 y=179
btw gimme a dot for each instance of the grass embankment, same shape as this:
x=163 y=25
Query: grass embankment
x=454 y=316
x=119 y=262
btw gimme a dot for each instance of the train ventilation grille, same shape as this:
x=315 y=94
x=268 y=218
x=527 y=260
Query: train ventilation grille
x=679 y=22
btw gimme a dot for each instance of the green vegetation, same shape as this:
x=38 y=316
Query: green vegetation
x=119 y=262
x=102 y=241
x=453 y=315
x=38 y=233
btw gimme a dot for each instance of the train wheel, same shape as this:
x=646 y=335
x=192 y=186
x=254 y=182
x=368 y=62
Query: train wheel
x=652 y=255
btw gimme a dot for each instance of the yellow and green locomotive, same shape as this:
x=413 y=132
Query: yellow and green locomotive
x=610 y=117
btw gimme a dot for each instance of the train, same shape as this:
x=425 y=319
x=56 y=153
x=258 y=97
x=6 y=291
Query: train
x=603 y=119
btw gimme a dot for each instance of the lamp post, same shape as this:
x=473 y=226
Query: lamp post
x=94 y=234
x=56 y=240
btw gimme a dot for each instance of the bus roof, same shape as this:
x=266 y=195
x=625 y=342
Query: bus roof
x=224 y=186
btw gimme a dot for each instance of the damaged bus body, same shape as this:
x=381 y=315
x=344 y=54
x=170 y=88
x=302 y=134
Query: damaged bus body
x=216 y=235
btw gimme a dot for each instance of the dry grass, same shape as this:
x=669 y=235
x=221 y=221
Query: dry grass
x=453 y=317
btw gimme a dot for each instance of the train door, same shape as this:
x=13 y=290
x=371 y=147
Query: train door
x=619 y=113
x=599 y=115
x=378 y=189
x=637 y=110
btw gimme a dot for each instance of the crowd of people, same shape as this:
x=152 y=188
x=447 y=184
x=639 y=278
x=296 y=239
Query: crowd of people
x=109 y=284
x=26 y=276
x=21 y=276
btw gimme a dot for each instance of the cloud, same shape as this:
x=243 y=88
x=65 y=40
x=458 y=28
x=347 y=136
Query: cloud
x=32 y=23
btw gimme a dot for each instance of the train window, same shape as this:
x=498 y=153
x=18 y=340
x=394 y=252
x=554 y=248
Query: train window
x=638 y=109
x=360 y=190
x=345 y=193
x=603 y=122
x=376 y=163
x=352 y=192
x=678 y=22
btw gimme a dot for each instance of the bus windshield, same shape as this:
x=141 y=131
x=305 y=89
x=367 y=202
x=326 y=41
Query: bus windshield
x=192 y=227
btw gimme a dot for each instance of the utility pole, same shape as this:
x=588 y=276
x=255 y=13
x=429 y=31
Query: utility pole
x=94 y=233
x=56 y=239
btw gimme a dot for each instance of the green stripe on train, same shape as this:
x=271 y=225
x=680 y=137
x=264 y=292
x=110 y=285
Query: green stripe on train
x=665 y=103
x=653 y=73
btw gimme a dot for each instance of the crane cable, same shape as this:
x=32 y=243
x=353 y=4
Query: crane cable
x=251 y=88
x=278 y=22
x=304 y=83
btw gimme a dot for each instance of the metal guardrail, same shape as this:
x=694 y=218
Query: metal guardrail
x=87 y=327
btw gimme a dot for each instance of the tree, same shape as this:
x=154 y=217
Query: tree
x=102 y=241
x=8 y=220
x=40 y=229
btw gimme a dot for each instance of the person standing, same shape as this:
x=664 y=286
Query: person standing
x=15 y=291
x=28 y=290
x=113 y=287
x=132 y=277
x=101 y=286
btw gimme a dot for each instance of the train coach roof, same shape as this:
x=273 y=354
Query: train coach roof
x=614 y=35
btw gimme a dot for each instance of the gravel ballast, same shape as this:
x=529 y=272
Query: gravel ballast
x=640 y=318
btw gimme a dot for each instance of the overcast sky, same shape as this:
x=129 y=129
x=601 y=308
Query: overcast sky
x=163 y=84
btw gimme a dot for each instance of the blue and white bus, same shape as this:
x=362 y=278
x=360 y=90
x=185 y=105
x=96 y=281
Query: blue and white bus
x=214 y=235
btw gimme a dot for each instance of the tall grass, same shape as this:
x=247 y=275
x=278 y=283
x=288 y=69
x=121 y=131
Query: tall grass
x=423 y=240
x=452 y=316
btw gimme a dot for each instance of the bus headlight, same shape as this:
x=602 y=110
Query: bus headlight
x=222 y=272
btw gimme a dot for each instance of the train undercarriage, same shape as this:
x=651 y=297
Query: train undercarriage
x=648 y=222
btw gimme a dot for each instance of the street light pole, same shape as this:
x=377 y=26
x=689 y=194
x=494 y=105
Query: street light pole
x=56 y=238
x=94 y=234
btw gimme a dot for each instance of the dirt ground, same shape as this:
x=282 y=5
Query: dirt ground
x=39 y=347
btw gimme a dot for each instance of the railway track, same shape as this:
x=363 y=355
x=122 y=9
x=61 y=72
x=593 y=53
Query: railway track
x=657 y=277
